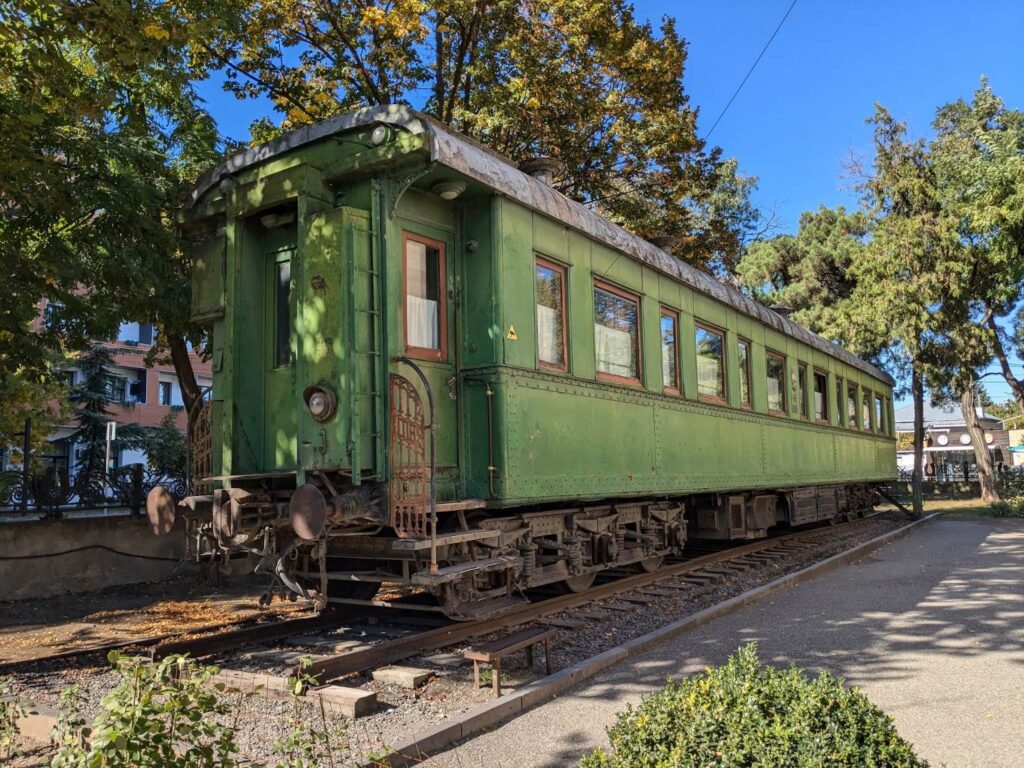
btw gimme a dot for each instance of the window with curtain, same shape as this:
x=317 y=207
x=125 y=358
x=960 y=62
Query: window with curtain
x=616 y=333
x=669 y=350
x=550 y=286
x=710 y=363
x=424 y=297
x=802 y=389
x=775 y=366
x=865 y=410
x=851 y=406
x=879 y=414
x=743 y=351
x=820 y=396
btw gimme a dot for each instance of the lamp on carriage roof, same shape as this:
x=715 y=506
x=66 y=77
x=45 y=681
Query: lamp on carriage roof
x=448 y=190
x=782 y=309
x=543 y=169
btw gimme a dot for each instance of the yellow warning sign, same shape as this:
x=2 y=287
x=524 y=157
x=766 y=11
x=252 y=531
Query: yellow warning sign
x=512 y=335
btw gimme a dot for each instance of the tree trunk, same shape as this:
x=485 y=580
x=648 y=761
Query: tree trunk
x=986 y=471
x=190 y=392
x=917 y=392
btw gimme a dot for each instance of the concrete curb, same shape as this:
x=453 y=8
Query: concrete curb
x=472 y=721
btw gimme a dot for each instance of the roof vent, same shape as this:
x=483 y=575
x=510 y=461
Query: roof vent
x=543 y=169
x=782 y=309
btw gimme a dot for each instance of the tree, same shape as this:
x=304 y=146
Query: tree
x=578 y=80
x=900 y=276
x=809 y=272
x=100 y=130
x=979 y=158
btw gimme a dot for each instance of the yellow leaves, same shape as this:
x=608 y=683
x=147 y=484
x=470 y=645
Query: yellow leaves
x=403 y=19
x=156 y=32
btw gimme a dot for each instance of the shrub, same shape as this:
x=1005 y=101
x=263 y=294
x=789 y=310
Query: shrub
x=746 y=714
x=1010 y=485
x=162 y=714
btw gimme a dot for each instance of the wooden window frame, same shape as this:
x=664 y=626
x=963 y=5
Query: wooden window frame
x=635 y=298
x=785 y=399
x=745 y=374
x=424 y=353
x=840 y=401
x=879 y=412
x=544 y=262
x=805 y=404
x=856 y=407
x=818 y=372
x=678 y=388
x=699 y=325
x=868 y=394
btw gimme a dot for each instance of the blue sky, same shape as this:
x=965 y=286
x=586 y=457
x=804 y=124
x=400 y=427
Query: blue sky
x=802 y=112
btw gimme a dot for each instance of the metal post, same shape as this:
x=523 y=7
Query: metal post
x=26 y=455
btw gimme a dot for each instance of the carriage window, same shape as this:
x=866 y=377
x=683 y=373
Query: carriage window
x=820 y=396
x=617 y=334
x=424 y=300
x=282 y=314
x=802 y=389
x=776 y=367
x=866 y=410
x=879 y=414
x=669 y=351
x=710 y=363
x=550 y=279
x=851 y=406
x=839 y=401
x=743 y=350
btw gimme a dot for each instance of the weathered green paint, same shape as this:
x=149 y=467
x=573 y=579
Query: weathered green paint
x=555 y=435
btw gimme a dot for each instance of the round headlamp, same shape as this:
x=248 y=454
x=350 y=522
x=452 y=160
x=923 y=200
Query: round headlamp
x=320 y=402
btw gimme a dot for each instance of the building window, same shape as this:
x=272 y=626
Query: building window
x=165 y=392
x=617 y=334
x=839 y=401
x=669 y=351
x=879 y=414
x=775 y=365
x=137 y=387
x=802 y=388
x=851 y=406
x=425 y=321
x=550 y=286
x=743 y=351
x=282 y=313
x=866 y=410
x=710 y=363
x=820 y=396
x=116 y=388
x=52 y=316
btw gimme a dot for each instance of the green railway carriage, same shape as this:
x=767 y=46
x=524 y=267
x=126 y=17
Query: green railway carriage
x=431 y=367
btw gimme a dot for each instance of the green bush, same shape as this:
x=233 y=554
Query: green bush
x=746 y=714
x=1011 y=492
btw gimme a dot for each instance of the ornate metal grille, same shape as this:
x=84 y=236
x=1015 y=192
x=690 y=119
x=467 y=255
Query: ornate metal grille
x=200 y=446
x=408 y=453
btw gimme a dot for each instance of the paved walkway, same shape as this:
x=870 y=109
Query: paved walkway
x=930 y=627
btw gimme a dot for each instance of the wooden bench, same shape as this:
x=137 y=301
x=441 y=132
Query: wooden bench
x=494 y=651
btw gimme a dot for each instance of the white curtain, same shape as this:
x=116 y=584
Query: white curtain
x=421 y=326
x=614 y=351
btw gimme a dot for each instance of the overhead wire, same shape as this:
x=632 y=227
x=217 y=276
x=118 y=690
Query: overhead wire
x=721 y=114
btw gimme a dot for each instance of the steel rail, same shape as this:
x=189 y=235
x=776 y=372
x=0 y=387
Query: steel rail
x=333 y=667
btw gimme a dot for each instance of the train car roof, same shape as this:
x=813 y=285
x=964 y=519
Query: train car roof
x=473 y=160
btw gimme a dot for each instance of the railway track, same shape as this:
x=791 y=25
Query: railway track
x=705 y=564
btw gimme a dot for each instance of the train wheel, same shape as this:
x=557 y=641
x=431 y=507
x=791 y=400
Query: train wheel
x=651 y=564
x=349 y=590
x=578 y=584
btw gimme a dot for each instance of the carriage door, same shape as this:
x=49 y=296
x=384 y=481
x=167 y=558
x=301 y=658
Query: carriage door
x=279 y=417
x=428 y=324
